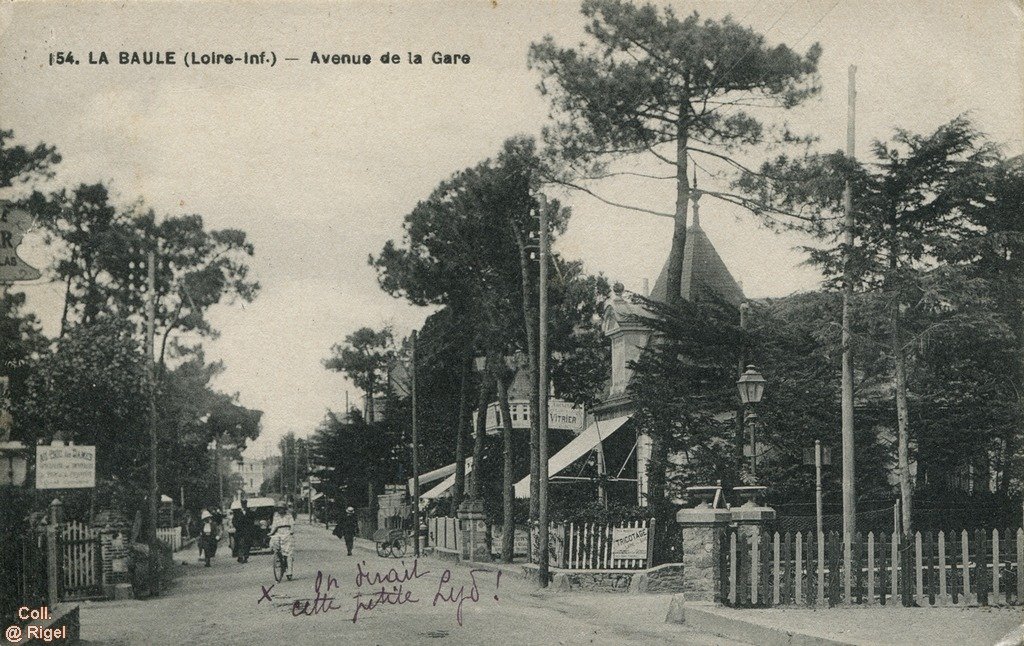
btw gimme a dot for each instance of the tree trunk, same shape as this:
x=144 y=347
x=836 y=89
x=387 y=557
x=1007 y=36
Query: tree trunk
x=673 y=294
x=532 y=322
x=460 y=443
x=673 y=281
x=369 y=399
x=508 y=511
x=902 y=419
x=481 y=430
x=67 y=304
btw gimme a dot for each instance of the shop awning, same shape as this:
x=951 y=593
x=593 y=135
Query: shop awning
x=446 y=484
x=435 y=475
x=574 y=450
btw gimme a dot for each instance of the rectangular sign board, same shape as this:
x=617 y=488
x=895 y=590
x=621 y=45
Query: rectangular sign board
x=562 y=415
x=629 y=543
x=65 y=467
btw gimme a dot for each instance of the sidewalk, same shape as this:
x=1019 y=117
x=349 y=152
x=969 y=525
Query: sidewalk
x=874 y=626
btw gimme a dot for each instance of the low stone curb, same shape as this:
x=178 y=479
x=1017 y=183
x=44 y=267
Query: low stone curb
x=706 y=618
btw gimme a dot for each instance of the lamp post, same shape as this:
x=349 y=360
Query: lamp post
x=751 y=388
x=14 y=463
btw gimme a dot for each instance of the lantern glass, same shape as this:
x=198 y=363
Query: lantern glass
x=751 y=386
x=13 y=468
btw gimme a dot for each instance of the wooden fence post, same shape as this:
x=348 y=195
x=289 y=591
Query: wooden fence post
x=919 y=570
x=1020 y=565
x=965 y=563
x=798 y=574
x=894 y=569
x=942 y=598
x=821 y=568
x=869 y=598
x=847 y=569
x=980 y=578
x=995 y=565
x=53 y=564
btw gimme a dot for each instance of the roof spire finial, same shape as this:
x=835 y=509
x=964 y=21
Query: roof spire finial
x=695 y=196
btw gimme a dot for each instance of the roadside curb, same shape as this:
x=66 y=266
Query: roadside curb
x=707 y=618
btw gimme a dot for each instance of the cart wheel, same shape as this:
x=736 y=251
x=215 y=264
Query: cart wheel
x=381 y=550
x=398 y=548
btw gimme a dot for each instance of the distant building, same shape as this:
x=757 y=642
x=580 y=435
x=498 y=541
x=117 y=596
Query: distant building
x=250 y=473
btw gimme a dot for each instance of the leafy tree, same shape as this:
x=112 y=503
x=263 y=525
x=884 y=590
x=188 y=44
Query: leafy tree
x=581 y=355
x=910 y=205
x=102 y=261
x=91 y=390
x=81 y=223
x=794 y=342
x=650 y=83
x=21 y=343
x=196 y=269
x=364 y=359
x=20 y=164
x=681 y=383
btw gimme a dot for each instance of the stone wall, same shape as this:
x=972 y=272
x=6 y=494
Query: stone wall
x=661 y=579
x=593 y=581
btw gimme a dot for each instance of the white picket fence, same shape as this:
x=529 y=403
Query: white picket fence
x=170 y=536
x=590 y=546
x=960 y=569
x=443 y=533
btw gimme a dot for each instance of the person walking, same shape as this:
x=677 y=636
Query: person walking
x=244 y=527
x=208 y=536
x=347 y=527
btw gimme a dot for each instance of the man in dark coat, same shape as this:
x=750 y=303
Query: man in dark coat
x=243 y=531
x=347 y=527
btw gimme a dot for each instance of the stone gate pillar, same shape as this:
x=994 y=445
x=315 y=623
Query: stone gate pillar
x=473 y=531
x=703 y=527
x=751 y=517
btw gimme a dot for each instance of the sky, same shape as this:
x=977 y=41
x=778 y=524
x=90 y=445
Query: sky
x=320 y=163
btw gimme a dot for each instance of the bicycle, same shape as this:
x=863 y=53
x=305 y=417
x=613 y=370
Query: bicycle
x=280 y=563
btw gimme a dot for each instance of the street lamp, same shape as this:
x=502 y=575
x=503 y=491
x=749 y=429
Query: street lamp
x=751 y=387
x=16 y=467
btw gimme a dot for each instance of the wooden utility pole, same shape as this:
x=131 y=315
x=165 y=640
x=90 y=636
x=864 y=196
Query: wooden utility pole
x=817 y=485
x=415 y=458
x=542 y=399
x=849 y=490
x=151 y=374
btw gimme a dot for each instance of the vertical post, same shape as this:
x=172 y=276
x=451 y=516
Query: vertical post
x=542 y=407
x=741 y=413
x=752 y=421
x=415 y=457
x=220 y=473
x=849 y=492
x=53 y=565
x=817 y=484
x=150 y=333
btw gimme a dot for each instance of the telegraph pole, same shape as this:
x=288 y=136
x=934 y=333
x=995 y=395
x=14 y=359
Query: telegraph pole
x=849 y=491
x=415 y=458
x=150 y=333
x=151 y=374
x=817 y=486
x=542 y=400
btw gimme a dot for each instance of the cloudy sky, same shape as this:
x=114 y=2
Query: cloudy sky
x=320 y=163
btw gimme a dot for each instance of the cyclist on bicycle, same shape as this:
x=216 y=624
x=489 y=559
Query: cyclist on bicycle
x=281 y=535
